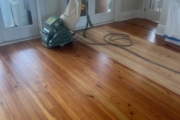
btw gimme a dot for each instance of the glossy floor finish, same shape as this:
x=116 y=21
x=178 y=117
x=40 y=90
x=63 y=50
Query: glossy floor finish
x=146 y=30
x=80 y=82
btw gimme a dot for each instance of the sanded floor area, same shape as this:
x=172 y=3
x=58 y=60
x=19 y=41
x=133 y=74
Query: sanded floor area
x=83 y=82
x=150 y=52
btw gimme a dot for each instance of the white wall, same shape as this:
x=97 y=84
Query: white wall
x=1 y=41
x=125 y=9
x=52 y=7
x=163 y=17
x=140 y=4
x=130 y=9
x=1 y=26
x=164 y=13
x=128 y=5
x=47 y=8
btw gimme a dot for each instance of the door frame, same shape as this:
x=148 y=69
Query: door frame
x=143 y=9
x=40 y=5
x=148 y=11
x=42 y=14
x=1 y=25
x=4 y=42
x=1 y=40
x=117 y=10
x=101 y=17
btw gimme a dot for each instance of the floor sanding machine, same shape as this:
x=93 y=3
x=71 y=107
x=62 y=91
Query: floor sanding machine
x=59 y=31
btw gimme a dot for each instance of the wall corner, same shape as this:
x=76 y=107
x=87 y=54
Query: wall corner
x=160 y=29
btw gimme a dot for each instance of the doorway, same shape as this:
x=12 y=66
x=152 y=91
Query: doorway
x=18 y=20
x=100 y=11
x=153 y=9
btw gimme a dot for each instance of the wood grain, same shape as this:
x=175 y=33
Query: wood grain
x=82 y=82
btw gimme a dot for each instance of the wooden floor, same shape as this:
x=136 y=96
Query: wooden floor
x=82 y=82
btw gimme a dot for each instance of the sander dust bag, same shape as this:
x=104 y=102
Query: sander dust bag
x=71 y=15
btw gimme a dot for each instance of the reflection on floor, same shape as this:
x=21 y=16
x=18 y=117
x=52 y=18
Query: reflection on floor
x=79 y=82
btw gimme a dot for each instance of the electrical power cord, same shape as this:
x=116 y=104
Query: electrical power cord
x=112 y=37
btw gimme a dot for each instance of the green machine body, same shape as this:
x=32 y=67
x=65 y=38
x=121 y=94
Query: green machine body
x=55 y=34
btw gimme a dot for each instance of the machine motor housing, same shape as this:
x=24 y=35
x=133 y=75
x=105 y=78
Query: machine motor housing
x=55 y=34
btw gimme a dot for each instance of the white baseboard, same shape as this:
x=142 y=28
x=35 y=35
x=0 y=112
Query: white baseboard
x=173 y=42
x=160 y=29
x=12 y=42
x=79 y=28
x=129 y=15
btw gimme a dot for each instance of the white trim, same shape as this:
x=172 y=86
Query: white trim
x=40 y=36
x=160 y=29
x=41 y=17
x=117 y=10
x=63 y=5
x=12 y=42
x=1 y=40
x=141 y=11
x=173 y=42
x=79 y=28
x=1 y=26
x=140 y=14
x=41 y=13
x=40 y=4
x=128 y=15
x=97 y=18
x=15 y=33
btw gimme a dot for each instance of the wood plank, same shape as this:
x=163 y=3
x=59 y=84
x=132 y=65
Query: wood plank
x=143 y=67
x=123 y=87
x=81 y=82
x=56 y=59
x=62 y=81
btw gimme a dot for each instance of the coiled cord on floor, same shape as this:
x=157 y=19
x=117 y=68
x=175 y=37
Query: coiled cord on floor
x=112 y=37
